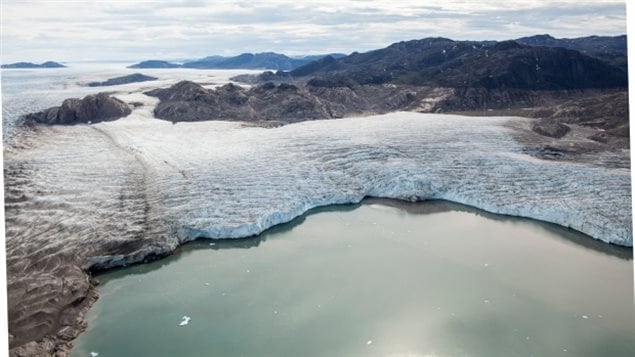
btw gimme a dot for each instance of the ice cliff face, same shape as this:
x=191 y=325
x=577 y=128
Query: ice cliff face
x=115 y=192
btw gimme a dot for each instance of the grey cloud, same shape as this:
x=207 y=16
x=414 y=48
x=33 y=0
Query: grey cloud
x=196 y=28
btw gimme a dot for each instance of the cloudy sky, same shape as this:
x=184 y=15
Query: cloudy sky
x=72 y=30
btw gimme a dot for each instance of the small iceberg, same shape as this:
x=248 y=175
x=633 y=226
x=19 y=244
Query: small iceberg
x=186 y=320
x=94 y=354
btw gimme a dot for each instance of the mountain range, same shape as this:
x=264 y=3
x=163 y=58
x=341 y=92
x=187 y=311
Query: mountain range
x=441 y=62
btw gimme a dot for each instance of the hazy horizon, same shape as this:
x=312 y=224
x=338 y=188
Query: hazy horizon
x=76 y=31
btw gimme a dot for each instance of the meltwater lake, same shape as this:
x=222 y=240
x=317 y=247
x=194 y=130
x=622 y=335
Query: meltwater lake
x=382 y=278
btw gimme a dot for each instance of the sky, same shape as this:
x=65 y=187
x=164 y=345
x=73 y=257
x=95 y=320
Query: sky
x=75 y=30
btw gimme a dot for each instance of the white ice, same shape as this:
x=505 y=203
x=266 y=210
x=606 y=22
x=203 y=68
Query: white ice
x=186 y=320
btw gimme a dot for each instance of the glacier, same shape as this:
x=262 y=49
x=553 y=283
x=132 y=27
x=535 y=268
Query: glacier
x=88 y=197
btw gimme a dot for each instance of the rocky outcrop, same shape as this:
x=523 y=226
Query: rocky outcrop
x=131 y=78
x=603 y=110
x=550 y=129
x=90 y=109
x=285 y=102
x=188 y=101
x=605 y=116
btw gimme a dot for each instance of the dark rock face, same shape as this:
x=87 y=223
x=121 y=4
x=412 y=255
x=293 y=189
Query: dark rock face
x=91 y=109
x=155 y=64
x=131 y=78
x=47 y=64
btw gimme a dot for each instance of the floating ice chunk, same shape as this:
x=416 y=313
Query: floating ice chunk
x=186 y=320
x=585 y=317
x=486 y=265
x=369 y=342
x=94 y=354
x=212 y=244
x=486 y=301
x=206 y=284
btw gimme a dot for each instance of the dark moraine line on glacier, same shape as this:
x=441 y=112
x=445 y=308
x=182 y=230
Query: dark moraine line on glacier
x=378 y=278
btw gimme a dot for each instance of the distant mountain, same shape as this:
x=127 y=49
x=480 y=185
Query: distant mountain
x=268 y=60
x=155 y=64
x=265 y=60
x=611 y=49
x=131 y=78
x=441 y=62
x=318 y=57
x=48 y=64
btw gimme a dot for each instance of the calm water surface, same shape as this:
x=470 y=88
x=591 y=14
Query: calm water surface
x=377 y=279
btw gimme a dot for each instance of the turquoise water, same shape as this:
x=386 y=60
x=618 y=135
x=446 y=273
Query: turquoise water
x=378 y=279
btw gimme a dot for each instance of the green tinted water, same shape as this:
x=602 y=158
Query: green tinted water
x=378 y=279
